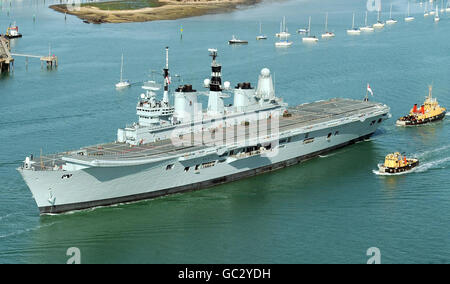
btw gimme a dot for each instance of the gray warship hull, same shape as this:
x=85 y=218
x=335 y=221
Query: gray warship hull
x=115 y=173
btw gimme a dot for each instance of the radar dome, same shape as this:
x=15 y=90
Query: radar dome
x=206 y=83
x=142 y=96
x=265 y=72
x=227 y=85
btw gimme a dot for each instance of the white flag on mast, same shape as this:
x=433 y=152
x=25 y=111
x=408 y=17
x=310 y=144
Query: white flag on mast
x=369 y=89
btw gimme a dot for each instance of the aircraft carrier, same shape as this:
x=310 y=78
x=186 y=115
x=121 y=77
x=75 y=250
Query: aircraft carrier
x=179 y=146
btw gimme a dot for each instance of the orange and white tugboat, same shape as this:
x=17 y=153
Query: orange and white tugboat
x=396 y=163
x=13 y=32
x=430 y=111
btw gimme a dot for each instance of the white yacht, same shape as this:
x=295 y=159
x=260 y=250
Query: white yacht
x=391 y=20
x=327 y=33
x=367 y=28
x=310 y=38
x=261 y=36
x=409 y=18
x=123 y=83
x=426 y=13
x=283 y=30
x=436 y=17
x=448 y=7
x=379 y=24
x=353 y=30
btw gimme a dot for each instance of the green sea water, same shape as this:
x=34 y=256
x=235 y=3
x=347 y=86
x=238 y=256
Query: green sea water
x=328 y=210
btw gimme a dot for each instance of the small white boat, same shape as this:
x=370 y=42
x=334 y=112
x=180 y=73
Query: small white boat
x=151 y=86
x=310 y=38
x=436 y=18
x=283 y=43
x=442 y=7
x=234 y=40
x=367 y=28
x=409 y=18
x=261 y=36
x=379 y=24
x=353 y=30
x=448 y=7
x=123 y=83
x=327 y=34
x=391 y=20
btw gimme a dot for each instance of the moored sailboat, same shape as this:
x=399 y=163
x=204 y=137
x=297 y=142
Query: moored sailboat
x=327 y=33
x=310 y=38
x=409 y=18
x=261 y=36
x=353 y=30
x=367 y=28
x=391 y=20
x=123 y=83
x=379 y=24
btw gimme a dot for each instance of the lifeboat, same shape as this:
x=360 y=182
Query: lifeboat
x=430 y=111
x=396 y=163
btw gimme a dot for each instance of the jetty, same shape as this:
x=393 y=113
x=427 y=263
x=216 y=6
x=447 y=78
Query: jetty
x=50 y=60
x=6 y=59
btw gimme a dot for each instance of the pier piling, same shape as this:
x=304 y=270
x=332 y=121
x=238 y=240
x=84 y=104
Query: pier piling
x=6 y=60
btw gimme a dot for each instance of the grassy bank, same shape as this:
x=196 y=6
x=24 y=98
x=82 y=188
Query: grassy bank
x=129 y=11
x=120 y=5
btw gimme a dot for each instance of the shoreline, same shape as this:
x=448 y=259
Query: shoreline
x=169 y=10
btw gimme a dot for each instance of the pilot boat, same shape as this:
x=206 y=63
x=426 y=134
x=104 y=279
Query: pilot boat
x=396 y=163
x=430 y=111
x=13 y=32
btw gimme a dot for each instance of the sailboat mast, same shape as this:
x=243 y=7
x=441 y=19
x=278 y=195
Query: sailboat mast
x=309 y=27
x=390 y=13
x=326 y=23
x=121 y=70
x=353 y=23
x=366 y=18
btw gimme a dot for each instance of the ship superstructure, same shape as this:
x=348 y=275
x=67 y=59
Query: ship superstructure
x=183 y=147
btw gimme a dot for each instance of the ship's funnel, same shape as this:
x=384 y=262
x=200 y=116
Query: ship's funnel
x=415 y=108
x=265 y=88
x=422 y=109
